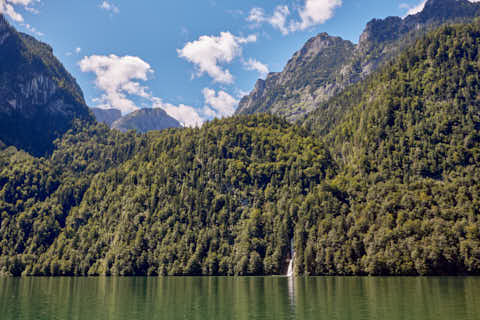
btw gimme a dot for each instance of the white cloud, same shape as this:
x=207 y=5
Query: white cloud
x=78 y=50
x=186 y=115
x=7 y=7
x=118 y=77
x=120 y=80
x=413 y=9
x=315 y=12
x=107 y=6
x=278 y=20
x=252 y=64
x=208 y=53
x=312 y=13
x=219 y=104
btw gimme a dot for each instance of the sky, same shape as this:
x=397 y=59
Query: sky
x=193 y=58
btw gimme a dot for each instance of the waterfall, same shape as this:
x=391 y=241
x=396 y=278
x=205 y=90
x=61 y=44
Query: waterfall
x=292 y=260
x=290 y=267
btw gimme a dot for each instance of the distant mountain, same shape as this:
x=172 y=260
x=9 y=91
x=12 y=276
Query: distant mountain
x=39 y=99
x=326 y=65
x=107 y=116
x=145 y=120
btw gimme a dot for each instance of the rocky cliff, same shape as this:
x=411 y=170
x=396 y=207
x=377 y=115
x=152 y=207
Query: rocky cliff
x=326 y=65
x=309 y=77
x=39 y=99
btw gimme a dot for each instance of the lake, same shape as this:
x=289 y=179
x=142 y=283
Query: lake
x=240 y=298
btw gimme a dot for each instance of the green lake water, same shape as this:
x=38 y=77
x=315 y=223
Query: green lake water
x=240 y=298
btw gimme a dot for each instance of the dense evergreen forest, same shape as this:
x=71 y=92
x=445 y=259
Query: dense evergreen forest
x=381 y=180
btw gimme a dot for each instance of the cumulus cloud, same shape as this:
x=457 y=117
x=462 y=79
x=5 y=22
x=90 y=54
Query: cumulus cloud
x=107 y=6
x=219 y=104
x=186 y=115
x=315 y=12
x=253 y=64
x=208 y=53
x=7 y=7
x=121 y=78
x=312 y=13
x=118 y=77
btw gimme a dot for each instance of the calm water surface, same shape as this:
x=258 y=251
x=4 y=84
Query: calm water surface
x=240 y=298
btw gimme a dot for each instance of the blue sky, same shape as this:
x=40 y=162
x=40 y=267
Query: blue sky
x=193 y=58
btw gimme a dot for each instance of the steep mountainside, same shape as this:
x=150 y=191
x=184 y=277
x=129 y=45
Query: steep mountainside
x=409 y=148
x=145 y=120
x=39 y=99
x=107 y=116
x=326 y=65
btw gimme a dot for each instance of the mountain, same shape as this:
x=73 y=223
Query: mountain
x=145 y=120
x=326 y=65
x=308 y=78
x=408 y=143
x=388 y=184
x=107 y=116
x=39 y=99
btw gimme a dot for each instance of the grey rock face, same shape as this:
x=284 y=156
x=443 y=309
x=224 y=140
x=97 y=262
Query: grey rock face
x=39 y=99
x=326 y=65
x=309 y=76
x=107 y=116
x=145 y=120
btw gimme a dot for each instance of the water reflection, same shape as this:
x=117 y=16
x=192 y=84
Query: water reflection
x=240 y=298
x=291 y=292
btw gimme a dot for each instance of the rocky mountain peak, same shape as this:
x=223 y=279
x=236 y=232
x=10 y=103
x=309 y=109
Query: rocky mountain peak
x=326 y=65
x=144 y=120
x=442 y=10
x=381 y=30
x=434 y=13
x=317 y=44
x=435 y=5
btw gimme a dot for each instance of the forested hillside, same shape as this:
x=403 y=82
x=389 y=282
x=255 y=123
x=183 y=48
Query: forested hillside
x=218 y=200
x=386 y=184
x=408 y=143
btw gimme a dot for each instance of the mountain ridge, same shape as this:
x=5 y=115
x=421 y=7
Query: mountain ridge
x=381 y=40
